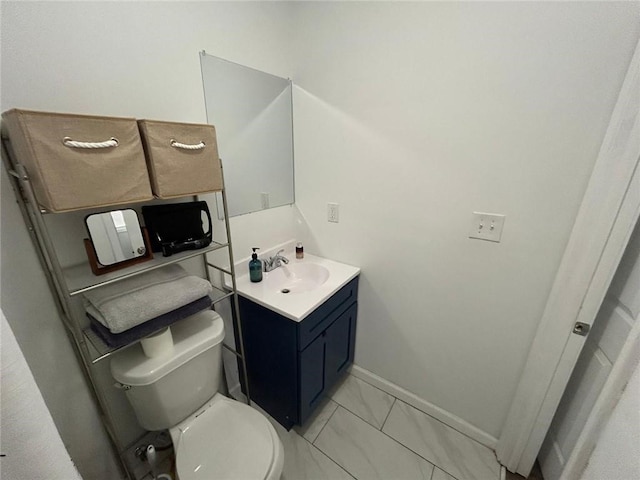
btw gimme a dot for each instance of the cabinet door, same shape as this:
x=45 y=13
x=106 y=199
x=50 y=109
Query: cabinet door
x=325 y=360
x=312 y=376
x=340 y=341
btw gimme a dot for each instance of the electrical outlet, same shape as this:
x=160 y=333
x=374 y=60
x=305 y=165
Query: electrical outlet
x=264 y=200
x=487 y=226
x=333 y=212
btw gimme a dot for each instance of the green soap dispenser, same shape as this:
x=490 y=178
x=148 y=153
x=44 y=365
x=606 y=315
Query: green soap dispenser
x=255 y=267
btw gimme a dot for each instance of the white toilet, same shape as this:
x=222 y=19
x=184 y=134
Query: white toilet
x=213 y=436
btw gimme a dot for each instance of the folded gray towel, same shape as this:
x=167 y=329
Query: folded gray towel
x=130 y=302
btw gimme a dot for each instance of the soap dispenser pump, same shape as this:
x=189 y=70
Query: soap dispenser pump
x=255 y=267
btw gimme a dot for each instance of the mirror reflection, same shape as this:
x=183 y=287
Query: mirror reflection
x=252 y=113
x=116 y=236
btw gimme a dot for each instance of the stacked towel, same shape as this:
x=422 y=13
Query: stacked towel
x=123 y=305
x=147 y=328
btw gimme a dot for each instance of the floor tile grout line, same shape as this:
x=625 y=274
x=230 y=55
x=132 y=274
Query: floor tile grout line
x=332 y=460
x=426 y=413
x=346 y=408
x=433 y=472
x=388 y=414
x=413 y=451
x=354 y=413
x=451 y=428
x=339 y=405
x=395 y=441
x=325 y=424
x=320 y=451
x=380 y=430
x=424 y=458
x=360 y=417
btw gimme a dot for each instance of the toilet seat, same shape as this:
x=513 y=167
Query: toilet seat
x=227 y=440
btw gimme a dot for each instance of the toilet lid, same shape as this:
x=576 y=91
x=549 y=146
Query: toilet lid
x=229 y=440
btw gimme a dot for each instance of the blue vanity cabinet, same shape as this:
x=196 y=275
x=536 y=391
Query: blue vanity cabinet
x=291 y=365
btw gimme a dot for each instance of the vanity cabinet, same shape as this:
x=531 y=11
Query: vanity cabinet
x=291 y=364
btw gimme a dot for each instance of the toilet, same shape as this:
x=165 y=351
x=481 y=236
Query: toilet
x=213 y=436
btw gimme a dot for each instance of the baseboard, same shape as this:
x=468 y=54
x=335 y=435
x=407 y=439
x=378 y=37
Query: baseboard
x=436 y=412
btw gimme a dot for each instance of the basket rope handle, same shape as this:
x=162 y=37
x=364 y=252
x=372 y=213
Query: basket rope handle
x=184 y=146
x=112 y=142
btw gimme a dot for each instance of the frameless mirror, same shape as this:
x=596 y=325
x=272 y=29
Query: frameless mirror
x=116 y=236
x=252 y=113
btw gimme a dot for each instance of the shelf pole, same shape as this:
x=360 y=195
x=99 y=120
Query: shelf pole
x=236 y=304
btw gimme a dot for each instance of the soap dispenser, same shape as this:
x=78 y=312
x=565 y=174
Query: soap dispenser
x=255 y=267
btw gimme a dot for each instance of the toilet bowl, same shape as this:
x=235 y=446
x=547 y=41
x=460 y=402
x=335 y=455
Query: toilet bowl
x=227 y=440
x=214 y=437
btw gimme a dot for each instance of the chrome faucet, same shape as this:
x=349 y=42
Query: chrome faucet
x=274 y=262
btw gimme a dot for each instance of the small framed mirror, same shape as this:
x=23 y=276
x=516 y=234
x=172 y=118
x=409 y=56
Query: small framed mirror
x=115 y=241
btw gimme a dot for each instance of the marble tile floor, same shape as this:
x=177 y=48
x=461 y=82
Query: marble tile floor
x=363 y=433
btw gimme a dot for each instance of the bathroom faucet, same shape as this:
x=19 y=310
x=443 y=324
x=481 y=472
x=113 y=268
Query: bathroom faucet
x=274 y=262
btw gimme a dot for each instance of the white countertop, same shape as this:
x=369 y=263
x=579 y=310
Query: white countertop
x=295 y=306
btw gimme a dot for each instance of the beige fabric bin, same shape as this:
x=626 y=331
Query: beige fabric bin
x=79 y=161
x=182 y=158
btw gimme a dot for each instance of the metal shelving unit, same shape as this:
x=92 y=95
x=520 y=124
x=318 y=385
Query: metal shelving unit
x=69 y=282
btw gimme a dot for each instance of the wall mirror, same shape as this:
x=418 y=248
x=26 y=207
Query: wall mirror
x=116 y=240
x=252 y=113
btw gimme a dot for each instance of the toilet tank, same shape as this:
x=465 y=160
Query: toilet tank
x=167 y=389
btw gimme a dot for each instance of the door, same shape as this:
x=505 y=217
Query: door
x=603 y=226
x=603 y=346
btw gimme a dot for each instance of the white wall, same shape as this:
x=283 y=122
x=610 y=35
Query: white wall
x=31 y=445
x=410 y=115
x=124 y=59
x=413 y=115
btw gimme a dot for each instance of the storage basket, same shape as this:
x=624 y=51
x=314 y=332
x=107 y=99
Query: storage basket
x=79 y=161
x=182 y=158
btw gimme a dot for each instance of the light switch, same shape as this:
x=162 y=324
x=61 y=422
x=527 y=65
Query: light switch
x=487 y=226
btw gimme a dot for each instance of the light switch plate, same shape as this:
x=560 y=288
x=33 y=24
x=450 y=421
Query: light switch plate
x=487 y=226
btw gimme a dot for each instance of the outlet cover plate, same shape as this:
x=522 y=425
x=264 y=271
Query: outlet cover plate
x=487 y=226
x=264 y=200
x=333 y=212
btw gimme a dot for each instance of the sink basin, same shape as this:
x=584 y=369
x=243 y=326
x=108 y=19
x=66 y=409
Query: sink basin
x=297 y=277
x=308 y=282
